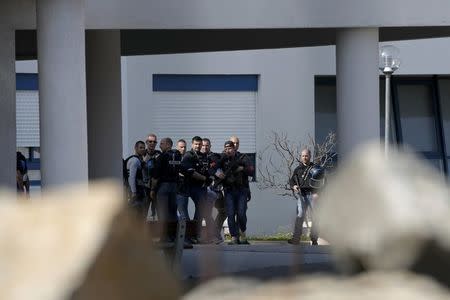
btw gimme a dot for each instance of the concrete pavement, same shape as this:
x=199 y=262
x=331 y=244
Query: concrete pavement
x=260 y=260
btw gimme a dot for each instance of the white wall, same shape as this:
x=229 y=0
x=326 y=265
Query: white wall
x=26 y=66
x=425 y=56
x=152 y=14
x=285 y=100
x=265 y=13
x=285 y=97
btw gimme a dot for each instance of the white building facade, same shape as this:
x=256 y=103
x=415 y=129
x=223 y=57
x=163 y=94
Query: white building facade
x=96 y=84
x=297 y=95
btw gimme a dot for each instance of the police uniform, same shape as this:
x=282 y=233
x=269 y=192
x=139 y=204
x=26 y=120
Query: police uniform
x=235 y=185
x=164 y=182
x=149 y=165
x=136 y=183
x=183 y=196
x=213 y=193
x=197 y=189
x=251 y=172
x=220 y=202
x=210 y=161
x=301 y=177
x=22 y=169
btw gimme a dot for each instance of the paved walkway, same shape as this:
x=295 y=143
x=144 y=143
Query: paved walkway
x=262 y=260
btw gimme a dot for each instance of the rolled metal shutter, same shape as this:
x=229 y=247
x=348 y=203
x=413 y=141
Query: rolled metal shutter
x=27 y=118
x=215 y=115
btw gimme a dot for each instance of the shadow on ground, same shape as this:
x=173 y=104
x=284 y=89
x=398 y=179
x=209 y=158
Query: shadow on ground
x=262 y=261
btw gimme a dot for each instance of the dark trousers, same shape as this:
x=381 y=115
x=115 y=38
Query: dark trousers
x=137 y=203
x=182 y=204
x=236 y=208
x=305 y=202
x=167 y=206
x=167 y=201
x=198 y=196
x=150 y=204
x=221 y=212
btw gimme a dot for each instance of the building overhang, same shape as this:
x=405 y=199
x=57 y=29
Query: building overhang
x=159 y=41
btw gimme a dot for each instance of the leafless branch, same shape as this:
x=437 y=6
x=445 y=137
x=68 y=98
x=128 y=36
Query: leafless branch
x=279 y=159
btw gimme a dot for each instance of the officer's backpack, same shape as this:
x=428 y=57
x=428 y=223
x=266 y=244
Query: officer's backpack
x=125 y=171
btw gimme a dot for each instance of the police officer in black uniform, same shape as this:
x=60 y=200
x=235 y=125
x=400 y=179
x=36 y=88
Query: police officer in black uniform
x=183 y=189
x=197 y=179
x=236 y=143
x=22 y=180
x=210 y=160
x=233 y=170
x=149 y=159
x=135 y=182
x=220 y=202
x=300 y=182
x=165 y=180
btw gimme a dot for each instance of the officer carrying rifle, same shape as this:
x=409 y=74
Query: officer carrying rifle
x=197 y=180
x=306 y=181
x=233 y=172
x=209 y=161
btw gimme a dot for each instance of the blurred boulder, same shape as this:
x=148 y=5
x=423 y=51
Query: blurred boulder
x=388 y=215
x=367 y=286
x=78 y=244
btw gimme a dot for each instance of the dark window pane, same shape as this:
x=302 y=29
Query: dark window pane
x=325 y=111
x=444 y=93
x=417 y=117
x=448 y=166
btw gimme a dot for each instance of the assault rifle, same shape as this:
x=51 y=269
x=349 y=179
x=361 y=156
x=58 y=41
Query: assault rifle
x=231 y=170
x=303 y=181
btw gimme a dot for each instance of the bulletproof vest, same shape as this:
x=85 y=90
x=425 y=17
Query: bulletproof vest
x=304 y=175
x=209 y=162
x=232 y=178
x=139 y=174
x=125 y=170
x=195 y=161
x=149 y=161
x=201 y=162
x=174 y=162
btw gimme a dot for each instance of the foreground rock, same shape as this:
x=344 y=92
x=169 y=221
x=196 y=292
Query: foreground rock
x=368 y=286
x=77 y=245
x=389 y=216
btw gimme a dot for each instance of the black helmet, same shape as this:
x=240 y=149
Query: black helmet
x=316 y=177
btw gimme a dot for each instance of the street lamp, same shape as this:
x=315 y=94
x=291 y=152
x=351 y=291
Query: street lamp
x=389 y=62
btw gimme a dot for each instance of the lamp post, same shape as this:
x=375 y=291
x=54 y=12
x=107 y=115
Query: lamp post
x=389 y=62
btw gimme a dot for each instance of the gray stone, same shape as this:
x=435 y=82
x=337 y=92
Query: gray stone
x=79 y=245
x=367 y=286
x=386 y=215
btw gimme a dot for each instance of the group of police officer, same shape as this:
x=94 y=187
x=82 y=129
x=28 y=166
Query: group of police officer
x=160 y=184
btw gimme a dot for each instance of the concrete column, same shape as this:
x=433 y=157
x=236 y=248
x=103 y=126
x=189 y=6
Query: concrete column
x=357 y=84
x=7 y=108
x=62 y=91
x=104 y=107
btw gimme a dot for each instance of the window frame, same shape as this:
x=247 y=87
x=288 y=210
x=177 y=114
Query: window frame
x=432 y=81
